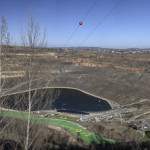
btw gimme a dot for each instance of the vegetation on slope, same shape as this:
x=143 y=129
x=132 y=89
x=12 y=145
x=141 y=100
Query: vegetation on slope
x=74 y=128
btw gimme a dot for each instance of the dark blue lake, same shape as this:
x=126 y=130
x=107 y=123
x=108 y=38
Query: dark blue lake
x=61 y=99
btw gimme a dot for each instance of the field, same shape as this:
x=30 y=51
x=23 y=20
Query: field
x=121 y=78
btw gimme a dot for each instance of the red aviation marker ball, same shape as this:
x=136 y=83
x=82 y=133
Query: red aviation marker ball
x=81 y=23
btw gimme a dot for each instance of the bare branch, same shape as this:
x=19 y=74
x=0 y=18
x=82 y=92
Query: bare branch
x=33 y=38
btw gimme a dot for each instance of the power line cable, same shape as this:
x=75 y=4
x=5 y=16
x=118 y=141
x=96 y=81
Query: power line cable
x=83 y=19
x=72 y=34
x=100 y=23
x=89 y=10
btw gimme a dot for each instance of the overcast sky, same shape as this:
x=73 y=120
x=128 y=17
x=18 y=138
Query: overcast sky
x=127 y=25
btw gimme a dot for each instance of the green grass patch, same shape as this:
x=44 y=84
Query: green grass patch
x=72 y=127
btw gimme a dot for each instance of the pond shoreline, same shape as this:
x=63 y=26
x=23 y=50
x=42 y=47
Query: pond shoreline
x=69 y=99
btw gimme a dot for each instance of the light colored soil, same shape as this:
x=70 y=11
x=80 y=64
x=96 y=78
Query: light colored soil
x=12 y=74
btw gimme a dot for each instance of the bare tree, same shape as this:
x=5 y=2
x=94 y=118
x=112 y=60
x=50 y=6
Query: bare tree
x=4 y=42
x=32 y=38
x=4 y=33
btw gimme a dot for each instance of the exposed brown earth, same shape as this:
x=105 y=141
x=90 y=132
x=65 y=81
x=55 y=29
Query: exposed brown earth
x=123 y=78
